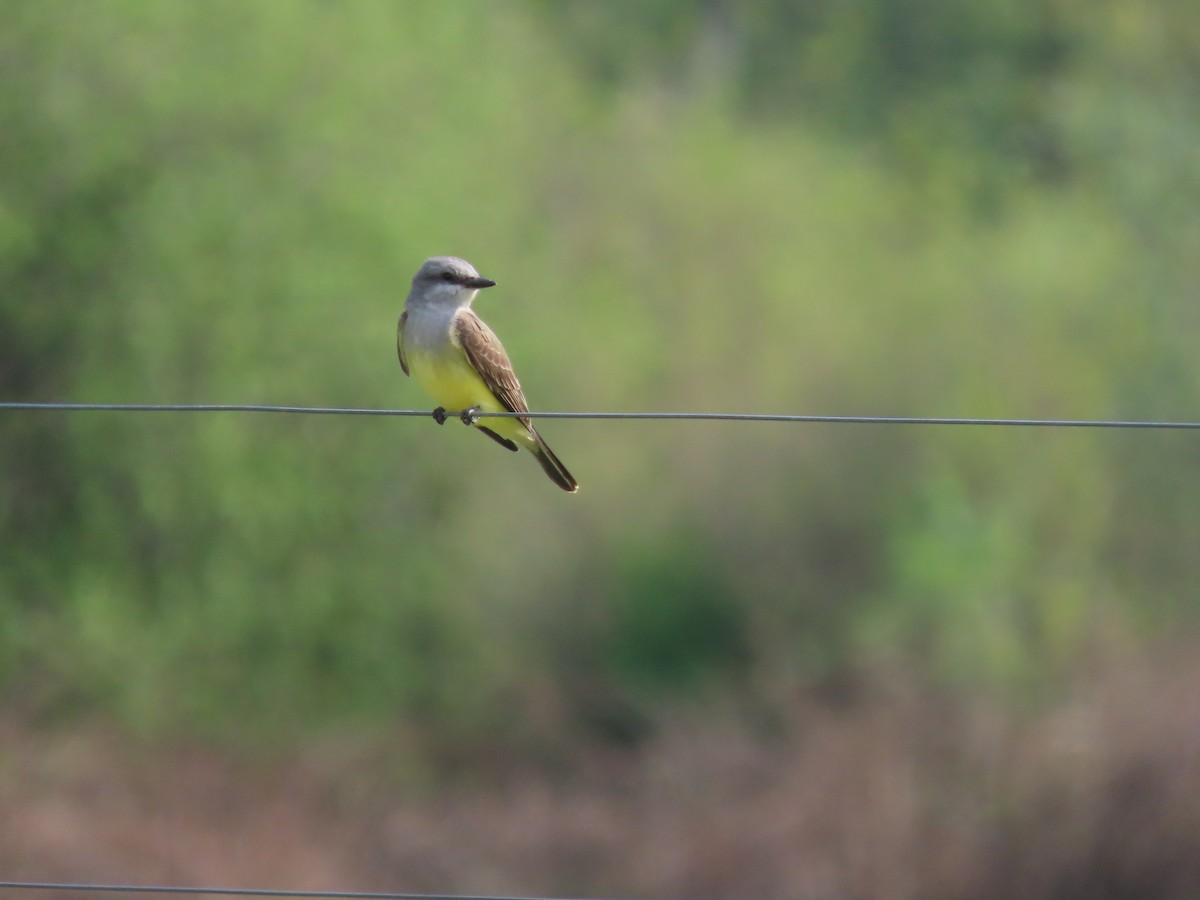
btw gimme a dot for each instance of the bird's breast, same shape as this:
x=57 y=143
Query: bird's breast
x=438 y=363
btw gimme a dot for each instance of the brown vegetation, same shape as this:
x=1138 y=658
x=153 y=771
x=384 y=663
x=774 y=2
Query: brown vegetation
x=889 y=790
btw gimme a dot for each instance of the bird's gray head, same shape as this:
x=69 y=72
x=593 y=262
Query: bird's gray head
x=447 y=279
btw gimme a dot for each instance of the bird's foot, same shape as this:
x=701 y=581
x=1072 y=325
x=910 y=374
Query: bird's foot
x=439 y=415
x=470 y=416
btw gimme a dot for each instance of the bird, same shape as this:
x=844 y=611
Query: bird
x=461 y=364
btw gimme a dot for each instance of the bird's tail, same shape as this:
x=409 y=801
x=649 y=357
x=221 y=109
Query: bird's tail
x=550 y=463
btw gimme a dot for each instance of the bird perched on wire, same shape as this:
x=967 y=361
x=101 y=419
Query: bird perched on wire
x=461 y=364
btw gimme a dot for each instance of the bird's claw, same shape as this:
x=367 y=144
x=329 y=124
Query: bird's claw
x=470 y=416
x=439 y=415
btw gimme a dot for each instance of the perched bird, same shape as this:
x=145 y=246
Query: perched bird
x=461 y=364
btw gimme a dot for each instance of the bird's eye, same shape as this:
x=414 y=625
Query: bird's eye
x=449 y=276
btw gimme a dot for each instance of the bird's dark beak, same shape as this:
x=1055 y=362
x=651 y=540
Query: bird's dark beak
x=479 y=282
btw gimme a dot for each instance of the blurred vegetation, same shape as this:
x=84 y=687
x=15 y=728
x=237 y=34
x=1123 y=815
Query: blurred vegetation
x=917 y=208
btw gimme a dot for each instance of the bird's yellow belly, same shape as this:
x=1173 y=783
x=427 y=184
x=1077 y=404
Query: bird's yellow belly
x=453 y=384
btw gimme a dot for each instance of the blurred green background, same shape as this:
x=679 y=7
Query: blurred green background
x=917 y=208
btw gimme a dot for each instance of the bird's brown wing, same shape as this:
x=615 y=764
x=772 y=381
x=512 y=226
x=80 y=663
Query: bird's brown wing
x=400 y=341
x=488 y=358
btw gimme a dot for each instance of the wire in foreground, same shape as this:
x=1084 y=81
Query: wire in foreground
x=668 y=416
x=244 y=892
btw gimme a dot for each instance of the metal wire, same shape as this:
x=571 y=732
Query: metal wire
x=701 y=416
x=247 y=892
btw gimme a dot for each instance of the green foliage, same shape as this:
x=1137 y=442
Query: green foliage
x=674 y=622
x=828 y=208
